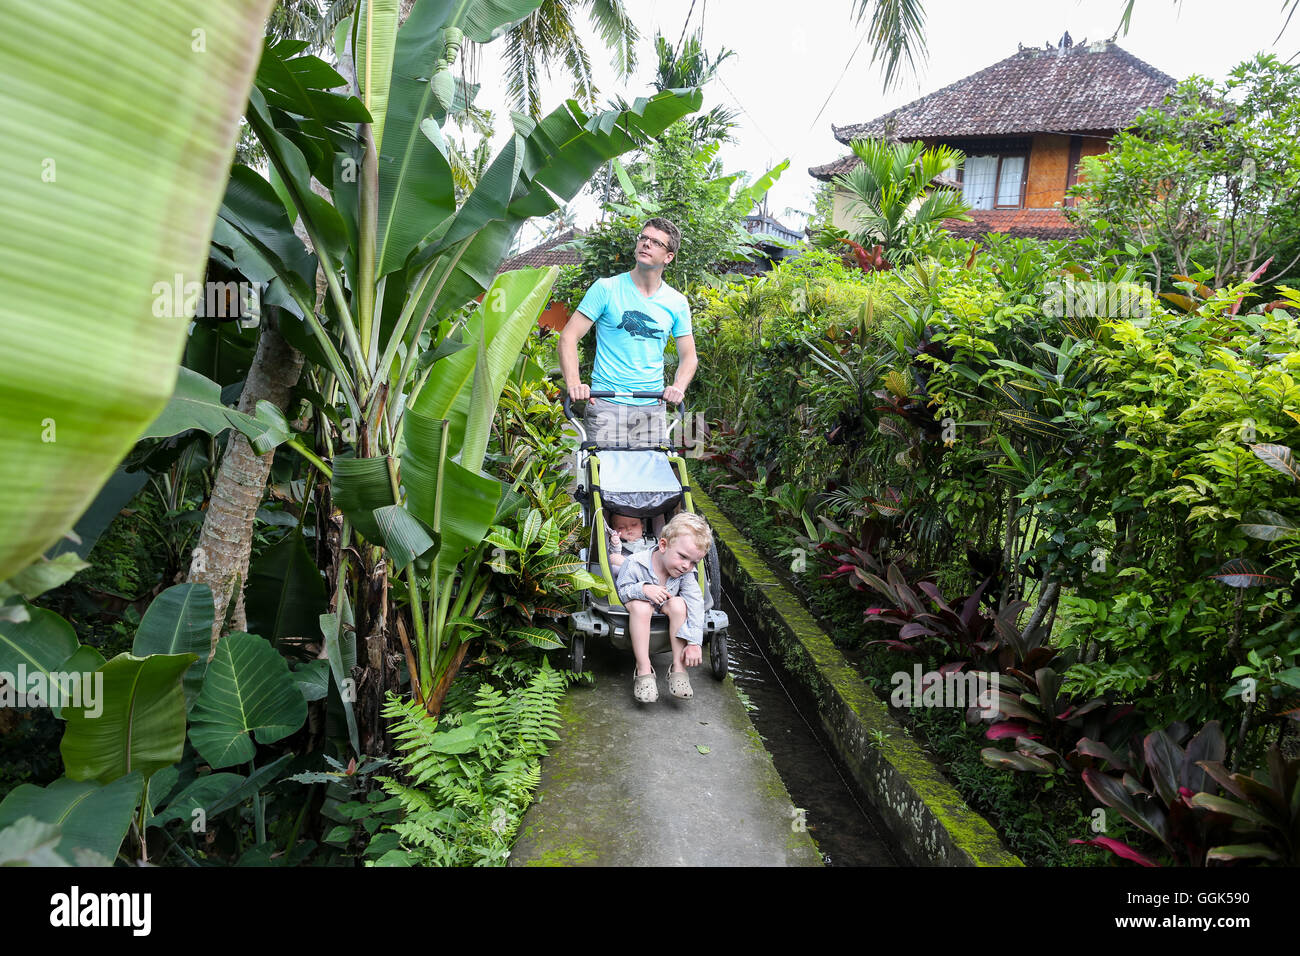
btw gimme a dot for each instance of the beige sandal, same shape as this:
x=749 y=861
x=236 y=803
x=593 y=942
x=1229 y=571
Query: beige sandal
x=679 y=685
x=644 y=687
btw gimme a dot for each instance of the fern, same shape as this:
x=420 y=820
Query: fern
x=470 y=775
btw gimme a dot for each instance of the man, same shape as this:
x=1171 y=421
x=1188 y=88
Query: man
x=635 y=312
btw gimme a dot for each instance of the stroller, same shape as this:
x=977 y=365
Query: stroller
x=649 y=483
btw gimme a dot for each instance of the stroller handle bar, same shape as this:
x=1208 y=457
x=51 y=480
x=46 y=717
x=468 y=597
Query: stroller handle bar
x=568 y=409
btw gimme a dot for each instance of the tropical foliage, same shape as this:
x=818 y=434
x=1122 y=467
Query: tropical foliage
x=1104 y=475
x=369 y=401
x=1211 y=179
x=59 y=445
x=674 y=183
x=894 y=198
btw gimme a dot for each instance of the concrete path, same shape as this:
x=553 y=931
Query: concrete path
x=627 y=784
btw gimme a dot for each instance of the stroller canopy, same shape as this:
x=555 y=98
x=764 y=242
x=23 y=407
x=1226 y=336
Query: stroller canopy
x=638 y=483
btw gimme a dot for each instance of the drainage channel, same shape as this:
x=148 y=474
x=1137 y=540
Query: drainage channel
x=847 y=833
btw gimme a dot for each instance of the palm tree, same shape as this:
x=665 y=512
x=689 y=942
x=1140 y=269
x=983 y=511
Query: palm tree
x=692 y=66
x=470 y=160
x=550 y=34
x=897 y=30
x=889 y=189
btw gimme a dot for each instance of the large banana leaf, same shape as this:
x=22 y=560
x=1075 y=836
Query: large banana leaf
x=463 y=389
x=142 y=724
x=179 y=621
x=40 y=644
x=90 y=816
x=196 y=403
x=28 y=842
x=415 y=184
x=522 y=301
x=119 y=120
x=286 y=593
x=376 y=37
x=201 y=793
x=503 y=320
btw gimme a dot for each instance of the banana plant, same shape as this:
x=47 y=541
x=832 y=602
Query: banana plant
x=136 y=179
x=401 y=360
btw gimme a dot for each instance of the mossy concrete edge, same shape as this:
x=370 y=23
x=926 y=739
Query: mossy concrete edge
x=925 y=814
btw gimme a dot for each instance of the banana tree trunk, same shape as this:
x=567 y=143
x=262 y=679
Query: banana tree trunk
x=378 y=673
x=225 y=543
x=227 y=536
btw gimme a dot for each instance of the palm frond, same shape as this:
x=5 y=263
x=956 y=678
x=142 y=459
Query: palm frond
x=942 y=204
x=338 y=11
x=617 y=32
x=897 y=32
x=579 y=64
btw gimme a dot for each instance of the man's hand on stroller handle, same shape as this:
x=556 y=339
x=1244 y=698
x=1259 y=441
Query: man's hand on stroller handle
x=671 y=394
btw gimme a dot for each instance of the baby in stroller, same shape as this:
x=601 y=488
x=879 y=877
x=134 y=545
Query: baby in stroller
x=663 y=579
x=626 y=536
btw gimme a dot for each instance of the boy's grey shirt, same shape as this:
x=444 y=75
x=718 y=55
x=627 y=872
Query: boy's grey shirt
x=637 y=571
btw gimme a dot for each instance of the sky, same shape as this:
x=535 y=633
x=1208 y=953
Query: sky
x=792 y=57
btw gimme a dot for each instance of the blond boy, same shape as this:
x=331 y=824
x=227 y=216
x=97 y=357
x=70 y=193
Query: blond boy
x=663 y=579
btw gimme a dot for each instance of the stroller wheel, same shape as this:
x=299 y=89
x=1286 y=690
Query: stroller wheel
x=718 y=654
x=576 y=648
x=713 y=572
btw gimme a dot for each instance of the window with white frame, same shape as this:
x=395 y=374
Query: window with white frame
x=994 y=181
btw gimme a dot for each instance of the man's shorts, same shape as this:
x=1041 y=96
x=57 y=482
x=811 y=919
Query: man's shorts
x=613 y=424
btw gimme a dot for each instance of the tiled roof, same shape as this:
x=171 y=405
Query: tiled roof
x=834 y=168
x=1040 y=223
x=1096 y=86
x=546 y=254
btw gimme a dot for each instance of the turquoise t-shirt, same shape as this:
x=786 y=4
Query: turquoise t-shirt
x=631 y=334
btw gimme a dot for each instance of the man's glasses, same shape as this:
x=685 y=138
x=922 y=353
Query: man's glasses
x=653 y=241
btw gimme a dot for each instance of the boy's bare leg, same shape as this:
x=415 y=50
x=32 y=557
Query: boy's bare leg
x=638 y=628
x=676 y=611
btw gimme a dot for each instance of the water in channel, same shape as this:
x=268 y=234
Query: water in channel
x=847 y=832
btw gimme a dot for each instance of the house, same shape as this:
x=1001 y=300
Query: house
x=1024 y=124
x=773 y=237
x=549 y=253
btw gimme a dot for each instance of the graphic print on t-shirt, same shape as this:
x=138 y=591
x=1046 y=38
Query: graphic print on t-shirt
x=638 y=323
